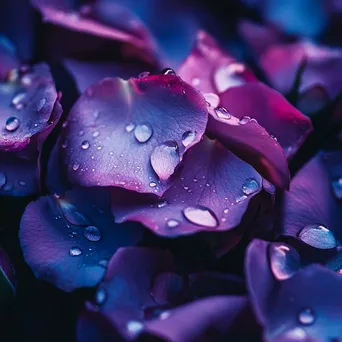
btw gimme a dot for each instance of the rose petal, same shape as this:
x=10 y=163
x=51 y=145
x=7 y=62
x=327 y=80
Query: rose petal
x=272 y=111
x=8 y=58
x=123 y=122
x=298 y=302
x=260 y=149
x=69 y=241
x=313 y=100
x=199 y=199
x=211 y=69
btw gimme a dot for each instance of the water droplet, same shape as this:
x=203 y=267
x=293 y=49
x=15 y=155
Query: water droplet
x=72 y=234
x=92 y=233
x=144 y=74
x=225 y=211
x=99 y=148
x=153 y=184
x=212 y=99
x=284 y=261
x=222 y=113
x=2 y=179
x=100 y=296
x=65 y=144
x=143 y=133
x=164 y=315
x=75 y=166
x=96 y=134
x=318 y=236
x=72 y=215
x=164 y=159
x=168 y=71
x=17 y=100
x=129 y=127
x=162 y=204
x=75 y=251
x=80 y=133
x=201 y=216
x=244 y=120
x=241 y=198
x=41 y=104
x=22 y=183
x=85 y=144
x=337 y=188
x=12 y=124
x=134 y=327
x=250 y=186
x=26 y=80
x=172 y=223
x=306 y=317
x=188 y=137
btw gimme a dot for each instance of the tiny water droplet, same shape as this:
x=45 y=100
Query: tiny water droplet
x=96 y=134
x=168 y=71
x=188 y=137
x=134 y=327
x=92 y=233
x=318 y=236
x=226 y=211
x=80 y=133
x=22 y=183
x=3 y=179
x=250 y=186
x=306 y=317
x=75 y=251
x=99 y=148
x=26 y=80
x=222 y=113
x=17 y=99
x=129 y=127
x=153 y=184
x=144 y=74
x=41 y=104
x=337 y=188
x=172 y=223
x=201 y=216
x=72 y=234
x=162 y=204
x=284 y=261
x=164 y=159
x=244 y=120
x=75 y=166
x=85 y=144
x=12 y=124
x=143 y=133
x=100 y=296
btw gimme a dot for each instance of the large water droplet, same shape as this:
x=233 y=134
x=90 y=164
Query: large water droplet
x=188 y=138
x=85 y=144
x=318 y=236
x=100 y=296
x=306 y=317
x=172 y=223
x=244 y=120
x=222 y=113
x=12 y=124
x=72 y=215
x=250 y=186
x=164 y=159
x=201 y=216
x=75 y=251
x=284 y=261
x=337 y=188
x=92 y=233
x=2 y=179
x=129 y=127
x=168 y=71
x=134 y=327
x=143 y=133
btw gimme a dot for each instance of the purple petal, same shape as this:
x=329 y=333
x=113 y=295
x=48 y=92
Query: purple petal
x=313 y=99
x=68 y=241
x=211 y=69
x=8 y=58
x=125 y=291
x=296 y=303
x=219 y=318
x=198 y=199
x=281 y=63
x=272 y=111
x=259 y=150
x=312 y=208
x=115 y=128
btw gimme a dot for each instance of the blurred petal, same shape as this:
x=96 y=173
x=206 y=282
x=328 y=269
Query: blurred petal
x=8 y=58
x=313 y=99
x=211 y=193
x=68 y=241
x=133 y=133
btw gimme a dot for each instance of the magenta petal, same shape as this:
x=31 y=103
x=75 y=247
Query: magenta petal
x=125 y=291
x=8 y=58
x=219 y=318
x=211 y=69
x=313 y=206
x=68 y=241
x=281 y=63
x=116 y=126
x=272 y=111
x=199 y=199
x=295 y=303
x=259 y=150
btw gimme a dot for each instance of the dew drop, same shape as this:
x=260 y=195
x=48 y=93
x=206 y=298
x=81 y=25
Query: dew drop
x=172 y=223
x=12 y=124
x=96 y=134
x=92 y=233
x=129 y=127
x=222 y=113
x=22 y=183
x=306 y=317
x=99 y=148
x=201 y=216
x=337 y=188
x=188 y=138
x=26 y=80
x=284 y=261
x=143 y=133
x=144 y=74
x=162 y=204
x=153 y=184
x=41 y=104
x=100 y=296
x=65 y=124
x=75 y=166
x=168 y=71
x=17 y=100
x=134 y=327
x=164 y=159
x=80 y=133
x=250 y=186
x=164 y=315
x=3 y=179
x=244 y=120
x=85 y=144
x=72 y=234
x=318 y=236
x=72 y=215
x=75 y=251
